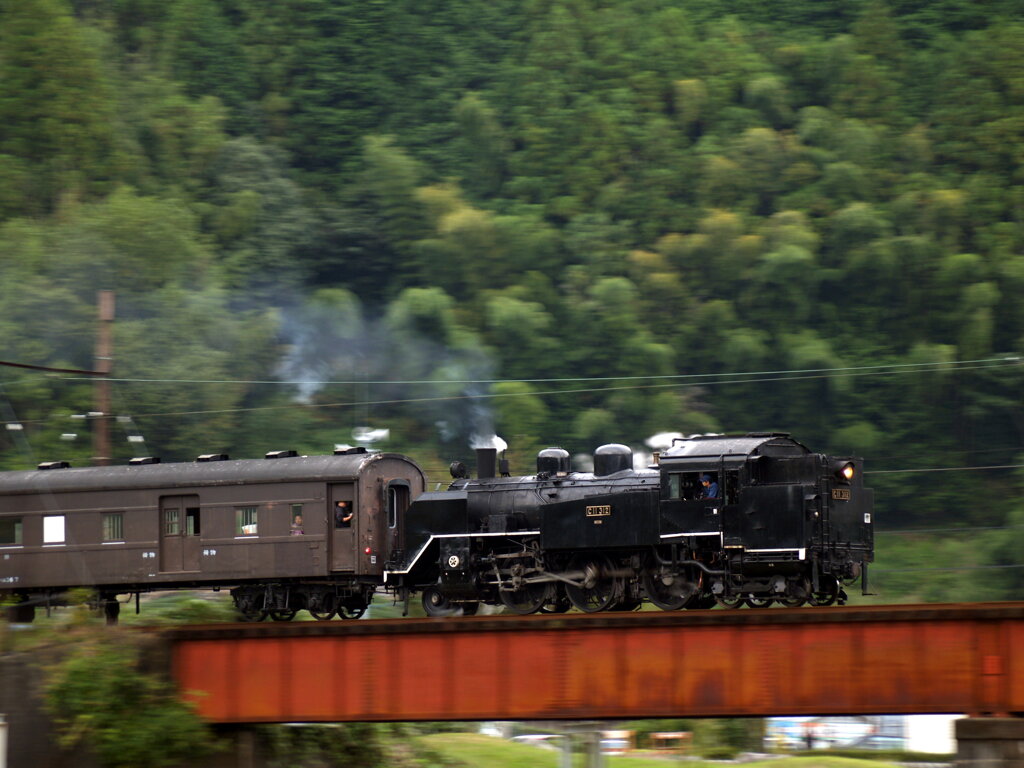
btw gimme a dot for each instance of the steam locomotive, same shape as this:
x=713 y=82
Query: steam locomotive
x=728 y=520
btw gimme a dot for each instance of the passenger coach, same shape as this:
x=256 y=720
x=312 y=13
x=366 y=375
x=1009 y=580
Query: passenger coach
x=285 y=533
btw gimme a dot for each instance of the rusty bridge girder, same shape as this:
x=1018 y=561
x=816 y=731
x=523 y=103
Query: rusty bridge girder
x=842 y=660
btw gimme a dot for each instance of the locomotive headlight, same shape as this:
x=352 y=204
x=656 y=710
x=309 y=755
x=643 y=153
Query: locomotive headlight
x=844 y=471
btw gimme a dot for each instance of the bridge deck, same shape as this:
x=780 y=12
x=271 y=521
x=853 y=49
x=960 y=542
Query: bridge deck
x=849 y=660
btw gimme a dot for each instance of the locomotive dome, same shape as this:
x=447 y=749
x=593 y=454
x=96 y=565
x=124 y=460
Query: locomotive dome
x=553 y=461
x=612 y=458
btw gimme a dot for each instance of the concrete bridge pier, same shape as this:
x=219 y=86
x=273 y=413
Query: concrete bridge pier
x=990 y=742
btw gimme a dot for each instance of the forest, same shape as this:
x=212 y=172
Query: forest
x=565 y=222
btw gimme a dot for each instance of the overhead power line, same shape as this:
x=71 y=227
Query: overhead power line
x=852 y=370
x=866 y=371
x=52 y=370
x=939 y=469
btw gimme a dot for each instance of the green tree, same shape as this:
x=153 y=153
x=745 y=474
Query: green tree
x=56 y=108
x=103 y=702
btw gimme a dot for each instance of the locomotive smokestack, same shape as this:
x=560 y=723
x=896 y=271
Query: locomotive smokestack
x=485 y=461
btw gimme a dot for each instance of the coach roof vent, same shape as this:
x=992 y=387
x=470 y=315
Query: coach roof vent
x=213 y=457
x=612 y=458
x=140 y=460
x=54 y=465
x=281 y=454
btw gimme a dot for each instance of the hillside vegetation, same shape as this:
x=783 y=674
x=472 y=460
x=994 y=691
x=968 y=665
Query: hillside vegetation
x=567 y=221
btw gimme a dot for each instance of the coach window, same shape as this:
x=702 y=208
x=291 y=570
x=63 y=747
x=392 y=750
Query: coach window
x=172 y=522
x=113 y=526
x=398 y=502
x=10 y=531
x=245 y=521
x=192 y=521
x=53 y=529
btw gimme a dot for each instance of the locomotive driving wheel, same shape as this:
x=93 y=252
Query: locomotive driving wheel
x=283 y=614
x=557 y=602
x=667 y=589
x=597 y=591
x=527 y=599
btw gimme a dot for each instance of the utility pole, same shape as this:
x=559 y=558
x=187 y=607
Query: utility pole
x=102 y=366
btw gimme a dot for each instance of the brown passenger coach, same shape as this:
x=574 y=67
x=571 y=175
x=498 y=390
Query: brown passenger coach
x=284 y=533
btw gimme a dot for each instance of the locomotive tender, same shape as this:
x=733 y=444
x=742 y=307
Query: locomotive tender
x=323 y=533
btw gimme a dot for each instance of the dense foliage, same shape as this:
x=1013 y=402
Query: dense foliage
x=101 y=701
x=810 y=213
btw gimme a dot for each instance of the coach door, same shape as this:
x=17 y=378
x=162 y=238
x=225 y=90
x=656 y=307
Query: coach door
x=344 y=523
x=179 y=533
x=397 y=502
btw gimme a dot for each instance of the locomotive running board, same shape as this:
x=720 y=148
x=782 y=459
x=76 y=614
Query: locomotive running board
x=453 y=536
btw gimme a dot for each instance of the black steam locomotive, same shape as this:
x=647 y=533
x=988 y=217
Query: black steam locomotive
x=740 y=520
x=728 y=520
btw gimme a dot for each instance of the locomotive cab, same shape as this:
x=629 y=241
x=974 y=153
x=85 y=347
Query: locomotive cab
x=777 y=521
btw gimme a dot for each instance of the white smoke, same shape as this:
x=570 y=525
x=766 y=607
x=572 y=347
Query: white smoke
x=478 y=441
x=663 y=440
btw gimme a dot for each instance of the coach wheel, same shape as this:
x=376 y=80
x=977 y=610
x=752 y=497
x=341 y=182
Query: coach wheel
x=253 y=615
x=759 y=602
x=283 y=614
x=111 y=609
x=827 y=594
x=730 y=601
x=351 y=612
x=669 y=590
x=596 y=591
x=322 y=606
x=436 y=604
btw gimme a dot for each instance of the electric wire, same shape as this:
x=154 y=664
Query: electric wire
x=549 y=392
x=927 y=367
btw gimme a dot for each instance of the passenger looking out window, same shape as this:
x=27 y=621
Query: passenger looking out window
x=297 y=529
x=343 y=514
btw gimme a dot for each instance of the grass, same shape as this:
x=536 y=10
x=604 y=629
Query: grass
x=471 y=750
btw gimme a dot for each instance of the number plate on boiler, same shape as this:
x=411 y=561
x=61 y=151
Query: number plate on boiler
x=601 y=511
x=841 y=494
